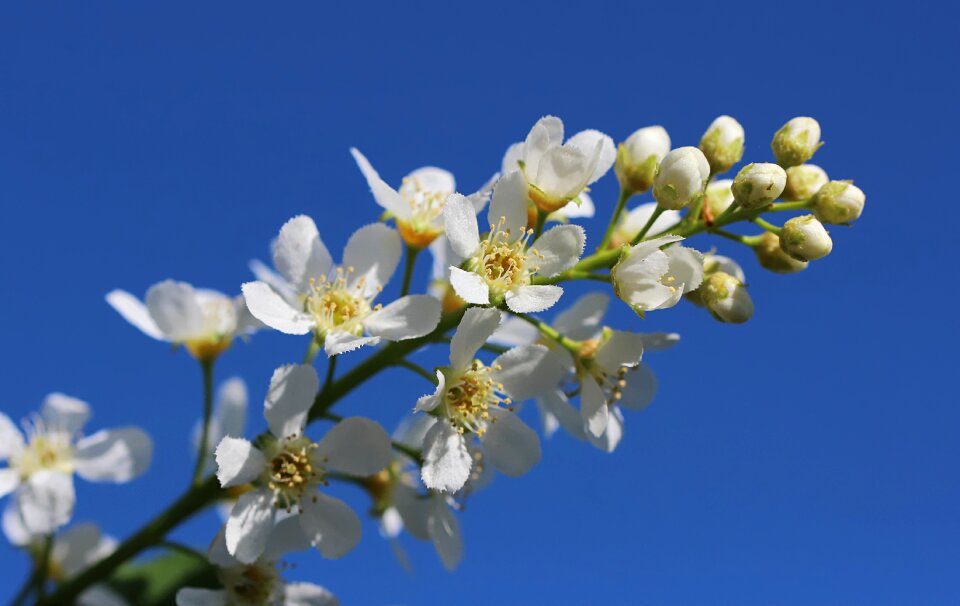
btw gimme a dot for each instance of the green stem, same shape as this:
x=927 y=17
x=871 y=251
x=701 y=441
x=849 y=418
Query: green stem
x=791 y=205
x=750 y=241
x=551 y=332
x=423 y=372
x=408 y=269
x=203 y=450
x=643 y=231
x=312 y=350
x=612 y=226
x=770 y=227
x=331 y=371
x=541 y=221
x=43 y=568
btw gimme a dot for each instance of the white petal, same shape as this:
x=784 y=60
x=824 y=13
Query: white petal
x=116 y=455
x=65 y=413
x=623 y=348
x=307 y=594
x=330 y=523
x=217 y=552
x=292 y=390
x=413 y=509
x=595 y=142
x=356 y=446
x=593 y=407
x=686 y=266
x=460 y=225
x=475 y=328
x=546 y=134
x=77 y=548
x=287 y=537
x=561 y=248
x=480 y=197
x=428 y=179
x=100 y=595
x=645 y=248
x=430 y=401
x=45 y=501
x=238 y=462
x=174 y=307
x=340 y=342
x=266 y=305
x=557 y=403
x=189 y=596
x=564 y=172
x=640 y=390
x=527 y=371
x=512 y=158
x=580 y=207
x=608 y=441
x=274 y=280
x=532 y=299
x=582 y=320
x=134 y=312
x=9 y=480
x=14 y=527
x=659 y=341
x=514 y=331
x=373 y=252
x=231 y=407
x=509 y=204
x=509 y=445
x=446 y=460
x=11 y=440
x=249 y=526
x=444 y=531
x=469 y=286
x=406 y=318
x=299 y=254
x=386 y=196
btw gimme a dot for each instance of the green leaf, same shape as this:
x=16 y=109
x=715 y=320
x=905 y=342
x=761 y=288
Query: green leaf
x=155 y=582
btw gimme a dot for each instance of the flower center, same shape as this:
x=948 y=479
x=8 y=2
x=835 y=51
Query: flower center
x=336 y=305
x=45 y=449
x=252 y=585
x=471 y=397
x=293 y=468
x=425 y=204
x=504 y=261
x=219 y=325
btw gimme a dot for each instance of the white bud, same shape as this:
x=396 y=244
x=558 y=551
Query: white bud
x=719 y=196
x=804 y=238
x=639 y=156
x=839 y=202
x=680 y=178
x=757 y=185
x=771 y=256
x=722 y=144
x=804 y=181
x=727 y=298
x=796 y=141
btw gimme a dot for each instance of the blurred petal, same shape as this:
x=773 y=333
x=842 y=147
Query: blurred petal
x=371 y=257
x=475 y=328
x=406 y=318
x=307 y=594
x=623 y=348
x=509 y=445
x=582 y=320
x=189 y=596
x=134 y=312
x=330 y=523
x=356 y=446
x=174 y=307
x=594 y=142
x=387 y=197
x=445 y=533
x=65 y=413
x=640 y=390
x=116 y=455
x=11 y=440
x=45 y=501
x=527 y=371
x=593 y=407
x=289 y=398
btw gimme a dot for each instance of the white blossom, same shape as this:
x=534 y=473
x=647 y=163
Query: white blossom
x=647 y=278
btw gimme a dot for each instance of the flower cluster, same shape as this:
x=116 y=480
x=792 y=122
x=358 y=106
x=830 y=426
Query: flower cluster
x=498 y=265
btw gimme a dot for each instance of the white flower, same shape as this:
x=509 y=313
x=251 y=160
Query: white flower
x=804 y=181
x=287 y=468
x=839 y=202
x=337 y=304
x=473 y=399
x=500 y=266
x=682 y=175
x=758 y=184
x=555 y=172
x=639 y=156
x=40 y=469
x=229 y=417
x=204 y=321
x=258 y=583
x=647 y=278
x=722 y=144
x=630 y=223
x=805 y=239
x=418 y=204
x=796 y=141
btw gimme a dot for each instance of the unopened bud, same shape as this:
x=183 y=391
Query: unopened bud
x=839 y=202
x=727 y=298
x=722 y=144
x=796 y=141
x=804 y=238
x=757 y=185
x=804 y=181
x=680 y=178
x=771 y=256
x=719 y=196
x=639 y=156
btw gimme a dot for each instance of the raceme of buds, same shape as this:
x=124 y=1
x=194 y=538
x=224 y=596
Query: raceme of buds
x=805 y=239
x=727 y=298
x=639 y=156
x=796 y=141
x=722 y=144
x=772 y=257
x=757 y=185
x=804 y=181
x=680 y=178
x=838 y=202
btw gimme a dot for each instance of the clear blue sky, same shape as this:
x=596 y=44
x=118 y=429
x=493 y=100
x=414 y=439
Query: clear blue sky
x=809 y=456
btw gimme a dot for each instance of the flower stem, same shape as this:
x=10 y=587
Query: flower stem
x=770 y=227
x=331 y=371
x=43 y=567
x=643 y=231
x=750 y=241
x=541 y=221
x=203 y=449
x=551 y=332
x=312 y=350
x=408 y=269
x=625 y=195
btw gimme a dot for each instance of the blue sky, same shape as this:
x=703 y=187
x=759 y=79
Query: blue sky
x=809 y=456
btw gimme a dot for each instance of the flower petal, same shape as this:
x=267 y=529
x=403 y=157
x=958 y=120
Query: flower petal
x=514 y=331
x=13 y=526
x=623 y=348
x=371 y=256
x=274 y=280
x=414 y=510
x=330 y=523
x=266 y=305
x=527 y=371
x=475 y=328
x=387 y=197
x=444 y=531
x=564 y=172
x=460 y=225
x=356 y=446
x=9 y=480
x=532 y=299
x=469 y=286
x=593 y=407
x=557 y=403
x=608 y=441
x=659 y=341
x=238 y=462
x=512 y=158
x=78 y=547
x=546 y=134
x=446 y=460
x=174 y=307
x=430 y=401
x=45 y=501
x=100 y=595
x=287 y=537
x=406 y=318
x=299 y=254
x=134 y=312
x=640 y=390
x=686 y=266
x=509 y=445
x=428 y=179
x=307 y=594
x=508 y=208
x=62 y=412
x=560 y=248
x=340 y=342
x=11 y=440
x=191 y=596
x=291 y=393
x=582 y=320
x=250 y=525
x=230 y=414
x=594 y=142
x=116 y=455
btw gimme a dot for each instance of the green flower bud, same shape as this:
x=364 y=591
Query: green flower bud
x=639 y=156
x=680 y=178
x=719 y=196
x=771 y=256
x=839 y=202
x=796 y=141
x=757 y=185
x=805 y=239
x=804 y=181
x=727 y=298
x=722 y=144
